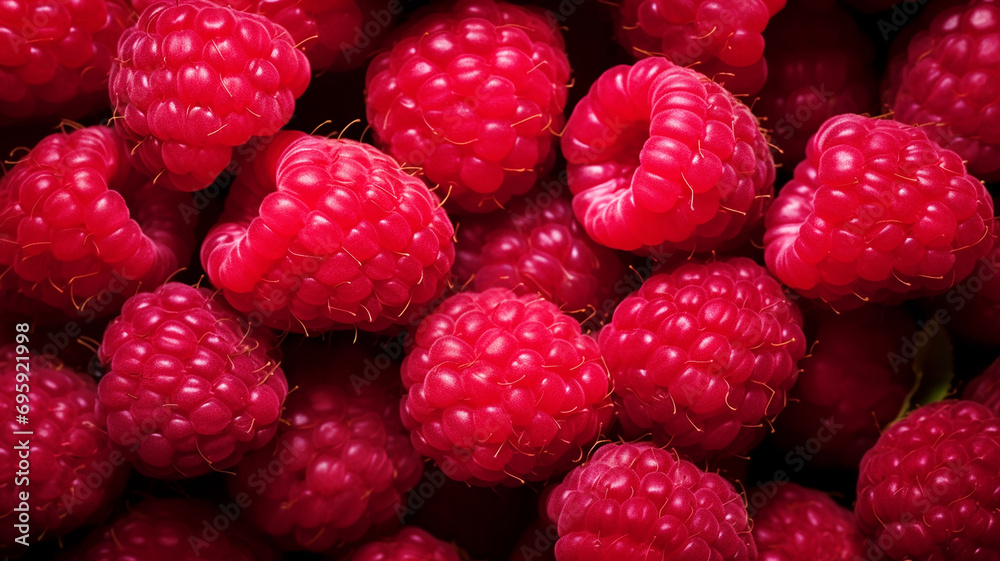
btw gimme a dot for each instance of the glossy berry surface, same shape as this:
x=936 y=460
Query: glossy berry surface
x=410 y=544
x=800 y=523
x=189 y=387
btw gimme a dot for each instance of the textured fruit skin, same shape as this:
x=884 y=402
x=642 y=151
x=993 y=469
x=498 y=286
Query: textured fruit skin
x=974 y=305
x=876 y=213
x=410 y=544
x=799 y=523
x=985 y=388
x=661 y=157
x=80 y=230
x=928 y=489
x=171 y=530
x=345 y=459
x=703 y=355
x=853 y=383
x=950 y=79
x=73 y=476
x=473 y=94
x=322 y=234
x=538 y=249
x=193 y=80
x=819 y=65
x=634 y=502
x=55 y=57
x=189 y=387
x=503 y=389
x=720 y=38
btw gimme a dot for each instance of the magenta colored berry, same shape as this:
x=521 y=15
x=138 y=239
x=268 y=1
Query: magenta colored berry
x=637 y=502
x=55 y=57
x=662 y=158
x=985 y=388
x=536 y=246
x=503 y=389
x=928 y=490
x=703 y=357
x=804 y=524
x=950 y=78
x=473 y=94
x=877 y=213
x=172 y=530
x=193 y=80
x=720 y=38
x=973 y=305
x=80 y=231
x=74 y=474
x=342 y=462
x=854 y=382
x=189 y=387
x=322 y=234
x=410 y=544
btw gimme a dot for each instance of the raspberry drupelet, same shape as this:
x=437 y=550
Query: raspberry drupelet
x=661 y=158
x=321 y=234
x=800 y=523
x=473 y=94
x=985 y=388
x=503 y=389
x=410 y=544
x=189 y=387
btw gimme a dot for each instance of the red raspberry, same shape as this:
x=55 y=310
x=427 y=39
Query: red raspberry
x=341 y=462
x=538 y=249
x=877 y=212
x=193 y=80
x=819 y=65
x=703 y=355
x=853 y=383
x=410 y=544
x=720 y=38
x=75 y=474
x=985 y=388
x=473 y=93
x=973 y=305
x=800 y=523
x=172 y=530
x=55 y=56
x=636 y=502
x=659 y=155
x=950 y=79
x=188 y=389
x=80 y=231
x=503 y=388
x=928 y=489
x=323 y=234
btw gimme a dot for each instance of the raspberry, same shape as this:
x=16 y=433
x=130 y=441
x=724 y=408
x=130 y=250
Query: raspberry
x=537 y=543
x=659 y=155
x=323 y=234
x=800 y=523
x=410 y=544
x=819 y=65
x=55 y=57
x=633 y=502
x=973 y=305
x=703 y=355
x=720 y=38
x=503 y=388
x=950 y=79
x=928 y=489
x=193 y=80
x=343 y=459
x=473 y=93
x=850 y=385
x=985 y=388
x=172 y=530
x=73 y=473
x=876 y=213
x=188 y=388
x=80 y=231
x=538 y=249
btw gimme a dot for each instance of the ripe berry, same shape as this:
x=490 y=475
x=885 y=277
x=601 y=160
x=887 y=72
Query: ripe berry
x=322 y=234
x=503 y=388
x=704 y=356
x=473 y=94
x=662 y=158
x=877 y=213
x=189 y=387
x=973 y=305
x=799 y=523
x=410 y=544
x=985 y=388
